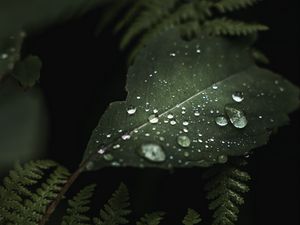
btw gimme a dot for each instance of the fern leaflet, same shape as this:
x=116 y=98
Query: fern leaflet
x=116 y=209
x=19 y=204
x=78 y=207
x=224 y=190
x=151 y=219
x=192 y=218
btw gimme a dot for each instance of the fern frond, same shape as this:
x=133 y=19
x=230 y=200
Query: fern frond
x=232 y=5
x=151 y=219
x=224 y=26
x=111 y=14
x=225 y=191
x=19 y=203
x=115 y=211
x=78 y=207
x=150 y=13
x=192 y=218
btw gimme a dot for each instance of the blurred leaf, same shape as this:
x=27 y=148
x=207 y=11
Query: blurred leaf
x=23 y=124
x=27 y=72
x=10 y=48
x=35 y=14
x=191 y=104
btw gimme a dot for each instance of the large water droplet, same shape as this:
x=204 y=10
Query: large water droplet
x=222 y=158
x=152 y=152
x=221 y=121
x=238 y=96
x=170 y=116
x=125 y=137
x=237 y=117
x=131 y=110
x=153 y=118
x=184 y=141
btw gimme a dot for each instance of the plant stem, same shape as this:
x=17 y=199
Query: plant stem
x=59 y=197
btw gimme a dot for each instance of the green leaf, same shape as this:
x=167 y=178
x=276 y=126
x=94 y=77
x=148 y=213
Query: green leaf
x=27 y=72
x=191 y=104
x=192 y=218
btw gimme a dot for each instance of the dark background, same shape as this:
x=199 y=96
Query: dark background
x=82 y=73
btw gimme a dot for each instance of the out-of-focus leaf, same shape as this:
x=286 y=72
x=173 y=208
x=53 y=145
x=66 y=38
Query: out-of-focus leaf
x=27 y=72
x=23 y=124
x=35 y=14
x=191 y=104
x=10 y=52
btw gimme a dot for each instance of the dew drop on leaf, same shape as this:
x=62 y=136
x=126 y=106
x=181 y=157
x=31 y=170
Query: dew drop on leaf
x=184 y=141
x=222 y=158
x=116 y=146
x=196 y=113
x=221 y=121
x=153 y=118
x=152 y=152
x=131 y=110
x=172 y=122
x=237 y=117
x=185 y=123
x=125 y=137
x=238 y=96
x=170 y=116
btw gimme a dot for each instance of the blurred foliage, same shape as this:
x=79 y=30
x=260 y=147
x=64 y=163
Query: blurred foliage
x=23 y=123
x=34 y=14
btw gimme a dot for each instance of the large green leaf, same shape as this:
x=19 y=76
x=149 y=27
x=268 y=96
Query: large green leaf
x=191 y=104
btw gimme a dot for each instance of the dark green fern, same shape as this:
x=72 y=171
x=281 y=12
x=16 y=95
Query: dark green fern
x=146 y=19
x=78 y=207
x=116 y=209
x=151 y=219
x=225 y=188
x=20 y=202
x=192 y=218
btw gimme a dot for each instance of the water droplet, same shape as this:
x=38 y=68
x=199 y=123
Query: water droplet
x=116 y=164
x=185 y=123
x=152 y=152
x=116 y=146
x=153 y=118
x=155 y=111
x=238 y=96
x=172 y=54
x=4 y=56
x=215 y=87
x=221 y=121
x=108 y=135
x=172 y=122
x=196 y=113
x=198 y=51
x=222 y=158
x=131 y=110
x=184 y=141
x=125 y=137
x=138 y=97
x=260 y=117
x=170 y=116
x=101 y=151
x=185 y=130
x=108 y=157
x=237 y=117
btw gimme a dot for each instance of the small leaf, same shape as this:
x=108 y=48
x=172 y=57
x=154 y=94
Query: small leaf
x=191 y=104
x=27 y=72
